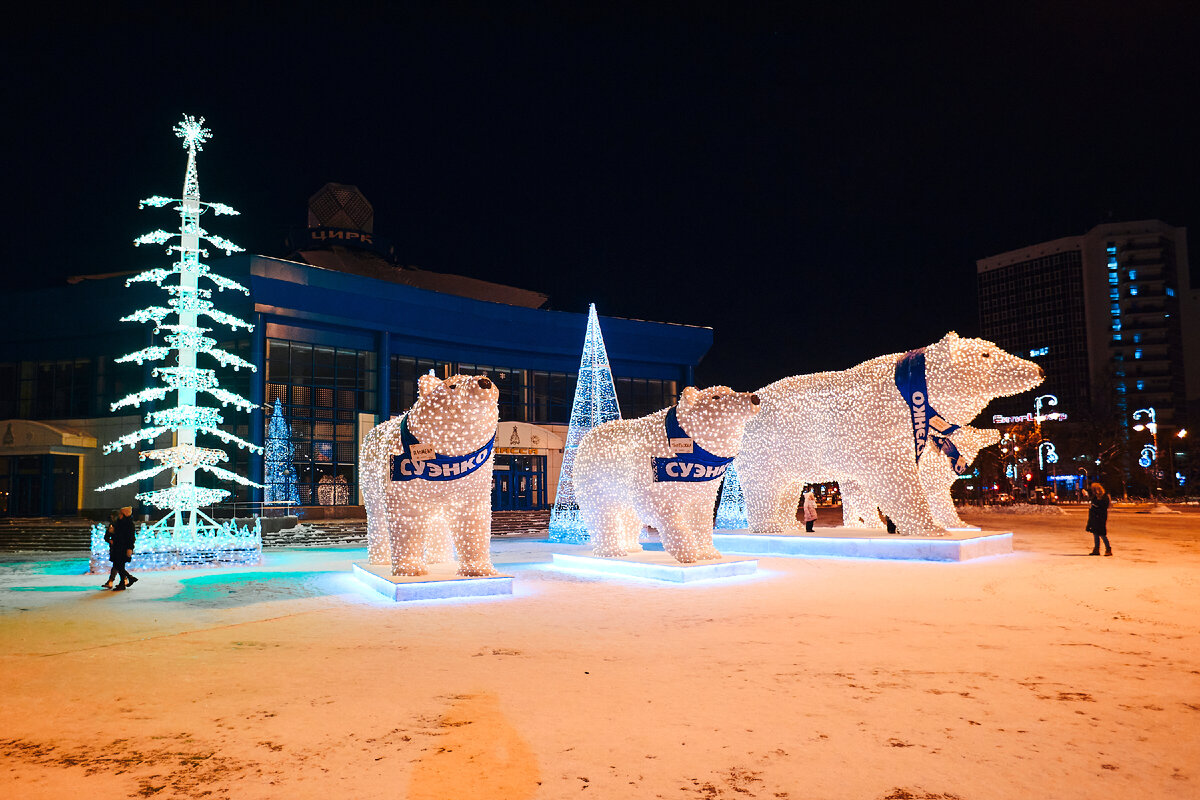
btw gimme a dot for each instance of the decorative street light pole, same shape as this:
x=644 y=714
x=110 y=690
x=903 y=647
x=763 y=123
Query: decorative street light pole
x=1150 y=452
x=1037 y=422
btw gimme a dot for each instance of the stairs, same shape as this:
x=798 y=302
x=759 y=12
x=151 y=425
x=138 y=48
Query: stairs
x=73 y=534
x=70 y=534
x=508 y=523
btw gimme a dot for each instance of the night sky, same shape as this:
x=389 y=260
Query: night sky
x=815 y=188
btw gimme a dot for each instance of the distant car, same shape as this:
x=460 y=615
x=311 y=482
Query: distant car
x=1002 y=499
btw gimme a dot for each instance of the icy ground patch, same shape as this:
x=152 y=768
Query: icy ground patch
x=1046 y=673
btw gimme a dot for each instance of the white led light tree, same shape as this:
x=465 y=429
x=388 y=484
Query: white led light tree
x=280 y=485
x=595 y=403
x=185 y=339
x=731 y=510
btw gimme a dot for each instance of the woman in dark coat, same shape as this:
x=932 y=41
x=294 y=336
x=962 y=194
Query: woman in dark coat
x=1097 y=522
x=120 y=548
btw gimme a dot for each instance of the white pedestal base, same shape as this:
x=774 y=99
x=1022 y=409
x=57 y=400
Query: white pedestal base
x=439 y=584
x=956 y=545
x=657 y=566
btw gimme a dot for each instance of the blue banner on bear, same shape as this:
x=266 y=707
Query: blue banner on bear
x=438 y=468
x=698 y=465
x=927 y=424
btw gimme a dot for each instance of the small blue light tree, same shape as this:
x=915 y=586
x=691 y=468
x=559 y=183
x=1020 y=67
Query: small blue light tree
x=281 y=472
x=595 y=403
x=731 y=511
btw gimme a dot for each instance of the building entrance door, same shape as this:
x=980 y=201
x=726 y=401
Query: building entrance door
x=38 y=485
x=519 y=482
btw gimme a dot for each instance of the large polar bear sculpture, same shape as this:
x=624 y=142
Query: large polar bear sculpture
x=937 y=475
x=427 y=477
x=867 y=427
x=661 y=470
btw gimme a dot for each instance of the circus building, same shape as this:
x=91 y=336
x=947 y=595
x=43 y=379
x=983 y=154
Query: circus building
x=342 y=331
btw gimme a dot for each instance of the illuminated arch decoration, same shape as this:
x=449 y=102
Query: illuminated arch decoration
x=280 y=484
x=595 y=403
x=731 y=511
x=185 y=525
x=332 y=490
x=855 y=427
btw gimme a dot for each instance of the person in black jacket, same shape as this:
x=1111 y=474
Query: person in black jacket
x=120 y=548
x=1097 y=523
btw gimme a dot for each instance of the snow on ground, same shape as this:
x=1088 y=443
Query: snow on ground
x=1042 y=674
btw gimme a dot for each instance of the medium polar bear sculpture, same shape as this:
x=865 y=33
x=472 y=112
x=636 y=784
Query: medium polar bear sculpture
x=937 y=475
x=429 y=474
x=867 y=427
x=661 y=470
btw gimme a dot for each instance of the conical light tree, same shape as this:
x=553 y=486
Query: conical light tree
x=185 y=339
x=595 y=403
x=731 y=511
x=281 y=472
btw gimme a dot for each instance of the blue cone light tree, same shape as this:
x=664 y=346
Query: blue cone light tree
x=595 y=403
x=280 y=483
x=184 y=340
x=731 y=510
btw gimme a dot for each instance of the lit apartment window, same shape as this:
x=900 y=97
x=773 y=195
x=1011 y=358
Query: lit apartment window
x=1137 y=337
x=1141 y=385
x=1170 y=292
x=1137 y=353
x=1113 y=278
x=1133 y=274
x=1133 y=290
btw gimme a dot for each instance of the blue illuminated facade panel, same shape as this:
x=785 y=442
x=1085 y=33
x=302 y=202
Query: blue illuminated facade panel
x=339 y=352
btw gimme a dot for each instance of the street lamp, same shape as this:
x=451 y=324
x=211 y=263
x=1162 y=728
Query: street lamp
x=1083 y=482
x=1051 y=400
x=1150 y=457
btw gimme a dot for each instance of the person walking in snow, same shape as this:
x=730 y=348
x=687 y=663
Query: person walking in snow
x=810 y=509
x=120 y=549
x=1097 y=523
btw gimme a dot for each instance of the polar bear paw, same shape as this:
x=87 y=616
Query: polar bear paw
x=708 y=554
x=409 y=569
x=477 y=569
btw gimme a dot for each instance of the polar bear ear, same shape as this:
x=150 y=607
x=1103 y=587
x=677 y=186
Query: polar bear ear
x=950 y=337
x=689 y=396
x=427 y=385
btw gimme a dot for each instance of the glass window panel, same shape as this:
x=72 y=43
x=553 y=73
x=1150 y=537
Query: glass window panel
x=323 y=364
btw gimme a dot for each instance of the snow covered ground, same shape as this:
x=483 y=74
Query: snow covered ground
x=1042 y=674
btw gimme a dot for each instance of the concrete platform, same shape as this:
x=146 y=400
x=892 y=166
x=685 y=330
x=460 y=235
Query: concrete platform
x=956 y=545
x=657 y=565
x=439 y=584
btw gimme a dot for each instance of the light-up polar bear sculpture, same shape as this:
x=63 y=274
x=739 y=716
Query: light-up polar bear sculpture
x=662 y=470
x=866 y=428
x=429 y=474
x=937 y=475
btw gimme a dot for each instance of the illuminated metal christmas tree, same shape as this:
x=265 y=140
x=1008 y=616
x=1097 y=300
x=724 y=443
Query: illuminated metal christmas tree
x=185 y=339
x=595 y=403
x=731 y=511
x=281 y=472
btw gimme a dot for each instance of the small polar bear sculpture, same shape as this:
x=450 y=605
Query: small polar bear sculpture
x=867 y=427
x=427 y=478
x=662 y=470
x=937 y=476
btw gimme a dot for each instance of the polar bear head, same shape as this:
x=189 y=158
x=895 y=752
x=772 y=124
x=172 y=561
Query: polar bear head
x=964 y=375
x=458 y=415
x=716 y=417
